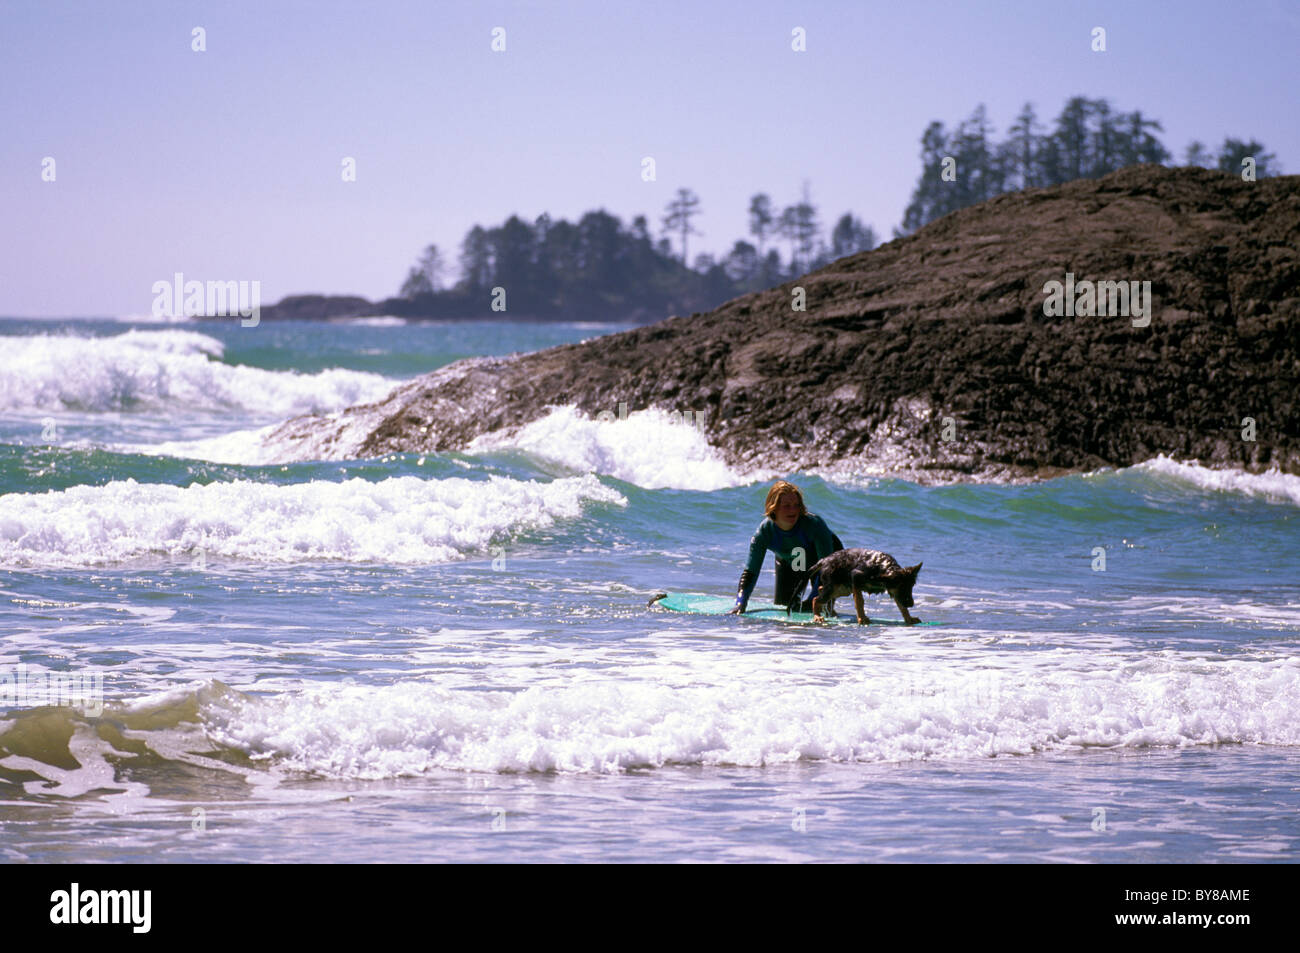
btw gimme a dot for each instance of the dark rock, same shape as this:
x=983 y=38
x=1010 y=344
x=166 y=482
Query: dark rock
x=946 y=323
x=317 y=308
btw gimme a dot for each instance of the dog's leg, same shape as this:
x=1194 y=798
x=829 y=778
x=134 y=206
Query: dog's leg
x=857 y=604
x=907 y=616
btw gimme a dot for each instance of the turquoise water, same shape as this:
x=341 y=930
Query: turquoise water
x=449 y=656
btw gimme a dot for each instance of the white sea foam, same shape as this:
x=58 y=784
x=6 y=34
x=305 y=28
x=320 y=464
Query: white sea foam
x=398 y=520
x=651 y=448
x=1273 y=484
x=151 y=318
x=376 y=321
x=242 y=447
x=155 y=369
x=609 y=726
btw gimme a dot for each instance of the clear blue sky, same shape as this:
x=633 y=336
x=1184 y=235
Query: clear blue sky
x=226 y=164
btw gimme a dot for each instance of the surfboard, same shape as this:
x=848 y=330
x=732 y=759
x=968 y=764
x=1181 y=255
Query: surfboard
x=693 y=603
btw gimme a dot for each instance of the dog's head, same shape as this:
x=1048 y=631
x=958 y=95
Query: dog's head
x=900 y=584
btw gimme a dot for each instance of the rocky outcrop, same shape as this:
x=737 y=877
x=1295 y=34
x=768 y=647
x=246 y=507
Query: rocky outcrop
x=318 y=308
x=932 y=356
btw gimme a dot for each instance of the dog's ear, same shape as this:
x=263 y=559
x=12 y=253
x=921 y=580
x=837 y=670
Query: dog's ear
x=913 y=570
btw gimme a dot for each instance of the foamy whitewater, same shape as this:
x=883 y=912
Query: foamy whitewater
x=450 y=656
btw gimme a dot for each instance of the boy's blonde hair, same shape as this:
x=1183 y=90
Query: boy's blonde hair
x=774 y=497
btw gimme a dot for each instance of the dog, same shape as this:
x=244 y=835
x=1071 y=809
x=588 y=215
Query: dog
x=855 y=571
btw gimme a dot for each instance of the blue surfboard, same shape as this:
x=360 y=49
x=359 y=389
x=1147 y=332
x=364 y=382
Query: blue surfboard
x=699 y=604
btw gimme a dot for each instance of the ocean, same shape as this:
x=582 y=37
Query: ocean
x=210 y=652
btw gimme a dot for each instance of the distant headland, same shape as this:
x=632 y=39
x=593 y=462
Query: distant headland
x=940 y=355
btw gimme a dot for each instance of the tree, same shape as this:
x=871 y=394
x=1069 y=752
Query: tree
x=1089 y=139
x=742 y=264
x=787 y=228
x=1050 y=166
x=716 y=286
x=1142 y=146
x=601 y=262
x=513 y=253
x=1234 y=150
x=1022 y=148
x=821 y=256
x=425 y=277
x=799 y=224
x=1197 y=154
x=929 y=197
x=1103 y=157
x=850 y=236
x=760 y=219
x=979 y=167
x=1071 y=137
x=476 y=265
x=416 y=283
x=560 y=252
x=771 y=272
x=680 y=212
x=545 y=282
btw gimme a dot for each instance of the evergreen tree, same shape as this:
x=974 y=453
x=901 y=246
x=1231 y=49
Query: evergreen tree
x=425 y=277
x=742 y=265
x=1021 y=155
x=1088 y=139
x=799 y=224
x=1197 y=154
x=1142 y=146
x=980 y=174
x=545 y=284
x=601 y=262
x=1071 y=137
x=928 y=198
x=416 y=283
x=850 y=236
x=1104 y=141
x=476 y=265
x=760 y=219
x=1234 y=150
x=680 y=212
x=513 y=254
x=771 y=271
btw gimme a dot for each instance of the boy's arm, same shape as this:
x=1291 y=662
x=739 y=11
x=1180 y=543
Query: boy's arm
x=753 y=566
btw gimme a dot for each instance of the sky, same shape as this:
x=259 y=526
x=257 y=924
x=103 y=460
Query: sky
x=226 y=164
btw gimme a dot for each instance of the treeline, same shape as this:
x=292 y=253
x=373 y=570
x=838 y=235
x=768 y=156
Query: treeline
x=601 y=268
x=1088 y=139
